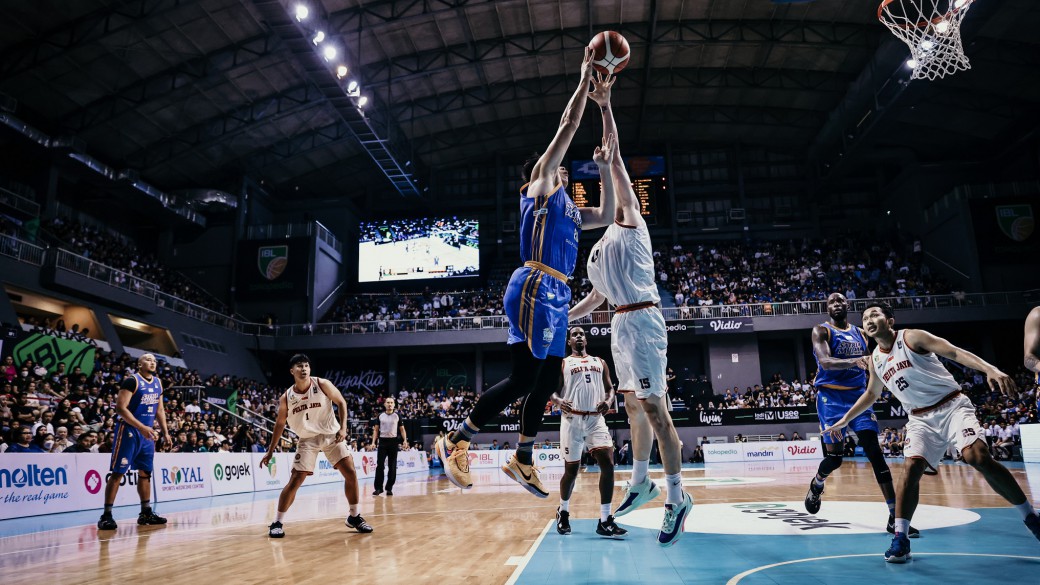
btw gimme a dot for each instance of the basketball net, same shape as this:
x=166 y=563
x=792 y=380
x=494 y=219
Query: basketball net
x=932 y=30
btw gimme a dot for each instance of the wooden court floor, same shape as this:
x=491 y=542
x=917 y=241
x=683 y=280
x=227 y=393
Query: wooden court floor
x=430 y=532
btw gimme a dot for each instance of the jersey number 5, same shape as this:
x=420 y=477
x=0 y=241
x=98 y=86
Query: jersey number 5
x=588 y=378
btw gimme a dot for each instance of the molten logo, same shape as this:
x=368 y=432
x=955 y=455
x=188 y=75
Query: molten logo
x=33 y=476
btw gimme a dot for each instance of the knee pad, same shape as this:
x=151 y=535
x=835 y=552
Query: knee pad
x=144 y=474
x=831 y=462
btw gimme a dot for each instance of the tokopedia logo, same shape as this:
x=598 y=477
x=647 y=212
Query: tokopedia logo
x=595 y=331
x=723 y=451
x=33 y=476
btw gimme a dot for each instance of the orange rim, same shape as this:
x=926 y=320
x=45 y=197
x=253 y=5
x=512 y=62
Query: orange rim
x=923 y=23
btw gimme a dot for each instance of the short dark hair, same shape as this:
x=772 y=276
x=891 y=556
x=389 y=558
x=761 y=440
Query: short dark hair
x=529 y=165
x=300 y=358
x=886 y=309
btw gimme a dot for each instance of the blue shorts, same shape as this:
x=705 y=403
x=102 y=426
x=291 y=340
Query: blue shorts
x=131 y=450
x=831 y=405
x=536 y=305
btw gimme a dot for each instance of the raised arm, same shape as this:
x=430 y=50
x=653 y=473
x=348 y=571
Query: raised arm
x=1032 y=341
x=596 y=217
x=626 y=197
x=586 y=305
x=544 y=171
x=918 y=339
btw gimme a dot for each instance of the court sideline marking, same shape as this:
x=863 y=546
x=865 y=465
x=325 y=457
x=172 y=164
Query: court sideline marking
x=530 y=554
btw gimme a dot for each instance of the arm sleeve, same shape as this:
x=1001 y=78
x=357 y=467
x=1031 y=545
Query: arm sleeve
x=129 y=383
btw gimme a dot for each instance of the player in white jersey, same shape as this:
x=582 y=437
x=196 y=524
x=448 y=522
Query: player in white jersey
x=621 y=269
x=1032 y=345
x=941 y=416
x=584 y=397
x=307 y=408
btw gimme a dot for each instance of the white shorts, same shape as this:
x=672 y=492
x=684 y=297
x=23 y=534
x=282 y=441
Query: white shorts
x=931 y=434
x=639 y=344
x=307 y=452
x=580 y=430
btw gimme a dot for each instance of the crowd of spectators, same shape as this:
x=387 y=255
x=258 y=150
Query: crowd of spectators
x=398 y=311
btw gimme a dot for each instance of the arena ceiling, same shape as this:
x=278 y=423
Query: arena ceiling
x=200 y=93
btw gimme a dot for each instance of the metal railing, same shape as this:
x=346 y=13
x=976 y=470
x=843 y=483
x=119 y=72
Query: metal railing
x=197 y=312
x=785 y=309
x=288 y=230
x=21 y=250
x=97 y=271
x=19 y=202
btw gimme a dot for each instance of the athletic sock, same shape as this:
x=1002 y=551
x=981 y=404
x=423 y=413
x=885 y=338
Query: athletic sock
x=146 y=507
x=463 y=433
x=525 y=452
x=640 y=470
x=108 y=509
x=891 y=507
x=353 y=510
x=819 y=479
x=278 y=516
x=675 y=493
x=565 y=505
x=604 y=512
x=1026 y=509
x=902 y=526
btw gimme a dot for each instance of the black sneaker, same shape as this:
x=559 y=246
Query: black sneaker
x=610 y=530
x=377 y=492
x=389 y=492
x=1033 y=524
x=563 y=521
x=912 y=533
x=812 y=497
x=275 y=530
x=107 y=522
x=149 y=518
x=358 y=523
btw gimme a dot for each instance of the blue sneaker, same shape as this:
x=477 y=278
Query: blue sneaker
x=899 y=552
x=636 y=495
x=1033 y=524
x=674 y=521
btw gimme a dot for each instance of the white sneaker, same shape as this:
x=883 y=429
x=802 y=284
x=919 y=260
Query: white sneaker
x=637 y=495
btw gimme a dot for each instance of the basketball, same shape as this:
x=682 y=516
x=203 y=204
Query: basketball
x=610 y=52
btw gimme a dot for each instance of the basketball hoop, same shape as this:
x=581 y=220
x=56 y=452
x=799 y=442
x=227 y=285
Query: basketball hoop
x=932 y=30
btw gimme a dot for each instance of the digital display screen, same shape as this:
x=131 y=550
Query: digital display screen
x=418 y=248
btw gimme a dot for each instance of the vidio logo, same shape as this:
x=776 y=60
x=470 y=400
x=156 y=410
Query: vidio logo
x=231 y=472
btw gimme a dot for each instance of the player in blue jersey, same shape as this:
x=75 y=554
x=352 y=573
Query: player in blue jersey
x=537 y=297
x=842 y=360
x=1032 y=347
x=138 y=405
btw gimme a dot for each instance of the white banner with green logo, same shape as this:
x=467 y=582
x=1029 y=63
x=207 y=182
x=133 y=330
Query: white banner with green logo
x=233 y=473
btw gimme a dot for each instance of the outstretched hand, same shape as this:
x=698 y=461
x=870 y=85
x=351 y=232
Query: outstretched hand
x=605 y=153
x=586 y=65
x=601 y=88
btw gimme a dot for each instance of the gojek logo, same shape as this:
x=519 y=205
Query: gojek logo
x=33 y=475
x=544 y=457
x=231 y=472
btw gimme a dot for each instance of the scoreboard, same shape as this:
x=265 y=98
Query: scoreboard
x=648 y=182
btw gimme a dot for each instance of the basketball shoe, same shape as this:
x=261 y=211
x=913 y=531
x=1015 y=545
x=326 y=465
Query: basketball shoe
x=525 y=475
x=276 y=530
x=456 y=461
x=563 y=521
x=107 y=522
x=1033 y=524
x=912 y=533
x=899 y=552
x=150 y=518
x=609 y=529
x=358 y=523
x=812 y=497
x=674 y=521
x=637 y=495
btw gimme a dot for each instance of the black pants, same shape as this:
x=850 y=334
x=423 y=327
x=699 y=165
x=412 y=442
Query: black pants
x=387 y=452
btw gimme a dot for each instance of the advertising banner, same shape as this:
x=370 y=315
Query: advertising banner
x=498 y=425
x=542 y=457
x=1005 y=229
x=723 y=325
x=232 y=472
x=763 y=451
x=275 y=475
x=324 y=472
x=49 y=351
x=802 y=450
x=365 y=464
x=181 y=476
x=484 y=459
x=33 y=484
x=723 y=452
x=411 y=461
x=92 y=475
x=1030 y=443
x=223 y=397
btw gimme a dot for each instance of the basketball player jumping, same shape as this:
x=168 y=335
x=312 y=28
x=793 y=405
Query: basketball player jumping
x=841 y=378
x=537 y=298
x=621 y=269
x=138 y=404
x=307 y=408
x=941 y=416
x=584 y=397
x=1032 y=346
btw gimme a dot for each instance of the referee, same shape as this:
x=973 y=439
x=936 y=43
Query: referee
x=389 y=430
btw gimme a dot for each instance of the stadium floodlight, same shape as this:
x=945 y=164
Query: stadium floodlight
x=362 y=101
x=318 y=37
x=341 y=71
x=302 y=12
x=352 y=87
x=329 y=52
